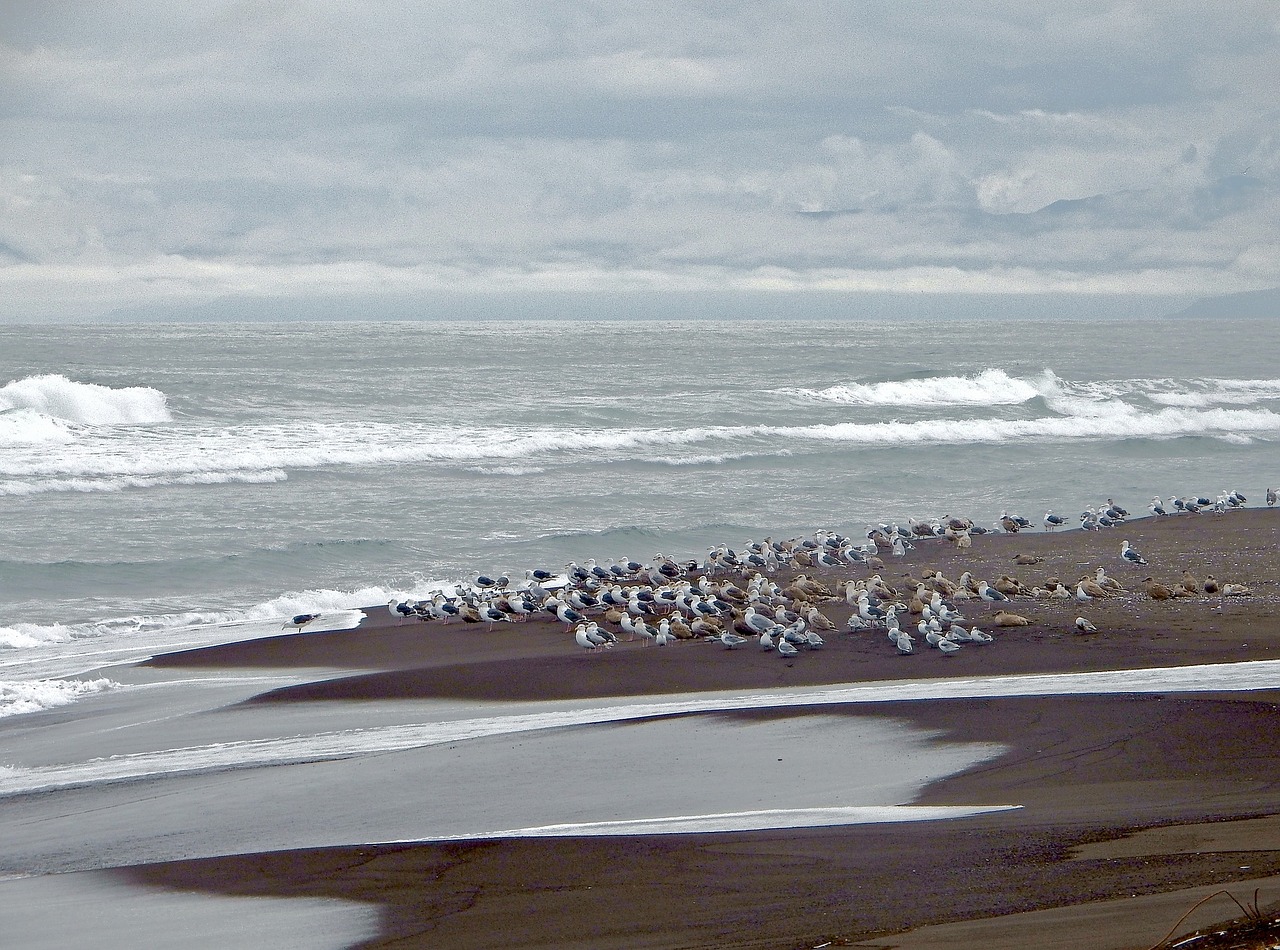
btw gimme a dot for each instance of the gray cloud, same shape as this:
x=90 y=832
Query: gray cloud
x=241 y=148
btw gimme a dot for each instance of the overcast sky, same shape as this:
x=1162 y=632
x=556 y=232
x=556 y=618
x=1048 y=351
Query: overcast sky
x=157 y=152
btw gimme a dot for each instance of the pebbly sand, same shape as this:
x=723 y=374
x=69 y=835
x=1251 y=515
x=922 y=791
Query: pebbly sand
x=1133 y=806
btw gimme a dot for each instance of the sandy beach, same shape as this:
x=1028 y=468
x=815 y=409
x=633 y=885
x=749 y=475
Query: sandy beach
x=1132 y=806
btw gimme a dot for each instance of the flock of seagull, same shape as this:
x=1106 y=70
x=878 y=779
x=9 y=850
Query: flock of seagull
x=741 y=597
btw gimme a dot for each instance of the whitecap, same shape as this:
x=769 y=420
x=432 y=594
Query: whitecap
x=57 y=397
x=1105 y=422
x=124 y=483
x=991 y=387
x=268 y=453
x=20 y=427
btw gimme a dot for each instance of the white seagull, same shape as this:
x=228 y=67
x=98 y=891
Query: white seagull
x=1052 y=521
x=1130 y=555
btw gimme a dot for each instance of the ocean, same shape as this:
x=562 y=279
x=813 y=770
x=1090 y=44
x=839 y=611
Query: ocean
x=164 y=486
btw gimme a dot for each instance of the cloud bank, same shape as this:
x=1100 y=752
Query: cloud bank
x=156 y=153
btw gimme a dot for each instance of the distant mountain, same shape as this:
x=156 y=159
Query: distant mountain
x=1251 y=303
x=730 y=305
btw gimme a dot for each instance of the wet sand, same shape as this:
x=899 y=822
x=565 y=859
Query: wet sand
x=1086 y=769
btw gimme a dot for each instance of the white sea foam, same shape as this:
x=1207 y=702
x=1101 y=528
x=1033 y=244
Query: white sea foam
x=1093 y=423
x=60 y=398
x=1192 y=393
x=995 y=387
x=266 y=456
x=1209 y=392
x=27 y=427
x=755 y=820
x=506 y=469
x=34 y=695
x=42 y=651
x=50 y=454
x=991 y=387
x=1222 y=677
x=118 y=483
x=45 y=410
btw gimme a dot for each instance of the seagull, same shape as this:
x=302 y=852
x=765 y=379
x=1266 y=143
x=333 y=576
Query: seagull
x=645 y=632
x=819 y=621
x=757 y=622
x=904 y=644
x=986 y=592
x=1130 y=555
x=732 y=641
x=1273 y=494
x=493 y=615
x=583 y=639
x=786 y=649
x=300 y=621
x=868 y=611
x=1052 y=521
x=567 y=614
x=520 y=607
x=1084 y=626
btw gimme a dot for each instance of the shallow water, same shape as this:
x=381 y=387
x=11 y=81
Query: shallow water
x=65 y=910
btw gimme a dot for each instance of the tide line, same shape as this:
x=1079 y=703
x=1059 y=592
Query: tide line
x=761 y=820
x=348 y=743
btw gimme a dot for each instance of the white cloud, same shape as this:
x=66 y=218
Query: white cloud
x=237 y=147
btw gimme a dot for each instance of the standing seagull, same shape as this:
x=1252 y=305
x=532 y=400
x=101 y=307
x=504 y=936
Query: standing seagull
x=1052 y=521
x=300 y=621
x=1272 y=495
x=1130 y=555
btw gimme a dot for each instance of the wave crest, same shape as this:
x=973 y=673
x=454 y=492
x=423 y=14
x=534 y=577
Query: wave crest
x=991 y=387
x=87 y=403
x=41 y=410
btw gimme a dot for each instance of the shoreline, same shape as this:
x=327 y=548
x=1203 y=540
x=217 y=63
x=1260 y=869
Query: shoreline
x=386 y=658
x=1086 y=769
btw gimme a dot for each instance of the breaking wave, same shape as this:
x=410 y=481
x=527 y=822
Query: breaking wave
x=267 y=454
x=47 y=409
x=995 y=387
x=991 y=387
x=57 y=397
x=55 y=442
